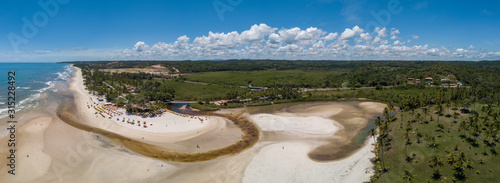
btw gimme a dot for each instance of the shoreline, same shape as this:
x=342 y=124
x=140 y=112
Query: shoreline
x=107 y=151
x=140 y=141
x=353 y=157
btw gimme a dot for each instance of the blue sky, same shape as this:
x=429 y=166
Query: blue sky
x=281 y=29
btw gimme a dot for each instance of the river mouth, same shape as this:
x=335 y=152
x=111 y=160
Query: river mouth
x=249 y=138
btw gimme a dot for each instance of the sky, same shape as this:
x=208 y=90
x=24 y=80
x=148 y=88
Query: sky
x=85 y=30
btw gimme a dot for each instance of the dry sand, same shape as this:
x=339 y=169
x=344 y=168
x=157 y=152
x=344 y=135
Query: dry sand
x=288 y=162
x=59 y=152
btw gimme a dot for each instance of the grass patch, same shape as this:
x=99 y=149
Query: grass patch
x=264 y=78
x=190 y=91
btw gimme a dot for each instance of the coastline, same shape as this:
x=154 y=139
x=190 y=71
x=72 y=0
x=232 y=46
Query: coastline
x=155 y=144
x=55 y=145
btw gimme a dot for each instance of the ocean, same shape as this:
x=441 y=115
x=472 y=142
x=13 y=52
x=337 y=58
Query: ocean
x=34 y=82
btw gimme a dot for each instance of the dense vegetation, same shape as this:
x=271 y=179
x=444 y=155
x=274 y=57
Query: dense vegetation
x=352 y=73
x=207 y=85
x=294 y=78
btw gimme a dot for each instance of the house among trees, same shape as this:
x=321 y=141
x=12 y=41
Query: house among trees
x=429 y=80
x=411 y=80
x=221 y=102
x=131 y=89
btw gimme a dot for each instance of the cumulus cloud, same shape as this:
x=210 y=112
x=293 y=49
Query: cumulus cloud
x=218 y=41
x=266 y=42
x=363 y=37
x=350 y=33
x=381 y=34
x=140 y=47
x=330 y=36
x=257 y=33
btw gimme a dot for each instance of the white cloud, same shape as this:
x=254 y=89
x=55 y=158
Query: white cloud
x=330 y=36
x=265 y=42
x=394 y=33
x=218 y=41
x=350 y=33
x=288 y=35
x=310 y=35
x=363 y=37
x=140 y=47
x=257 y=33
x=381 y=34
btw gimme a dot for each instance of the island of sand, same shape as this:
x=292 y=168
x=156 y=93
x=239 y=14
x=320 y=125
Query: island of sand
x=294 y=143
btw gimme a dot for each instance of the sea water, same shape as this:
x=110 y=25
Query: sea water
x=33 y=81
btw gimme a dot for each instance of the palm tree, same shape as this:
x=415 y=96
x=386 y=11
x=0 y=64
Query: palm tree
x=378 y=123
x=391 y=107
x=408 y=176
x=448 y=106
x=373 y=133
x=436 y=175
x=433 y=143
x=406 y=135
x=439 y=109
x=426 y=112
x=487 y=109
x=418 y=118
x=387 y=115
x=455 y=115
x=435 y=162
x=381 y=150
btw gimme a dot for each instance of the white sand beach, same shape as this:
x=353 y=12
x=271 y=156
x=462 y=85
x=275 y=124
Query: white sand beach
x=288 y=162
x=52 y=151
